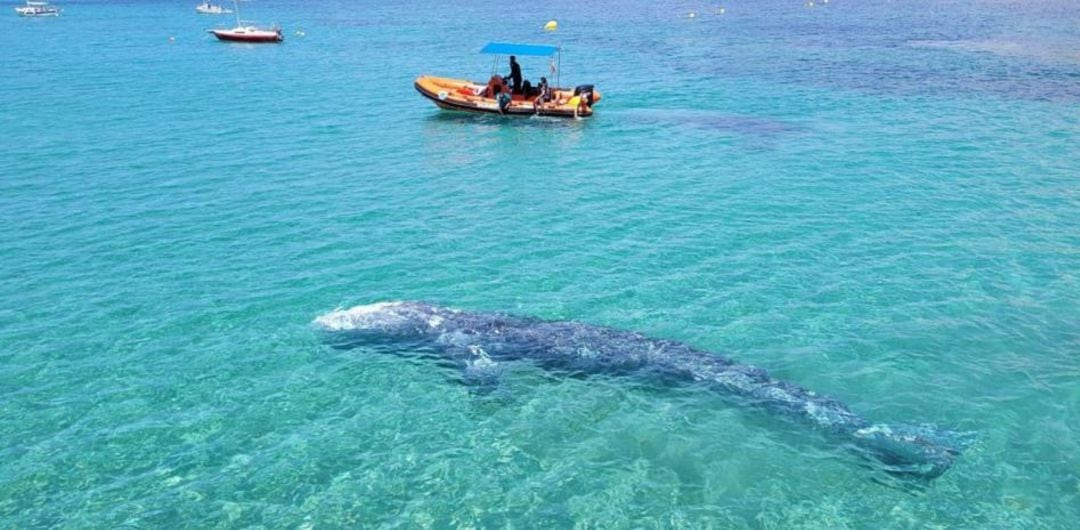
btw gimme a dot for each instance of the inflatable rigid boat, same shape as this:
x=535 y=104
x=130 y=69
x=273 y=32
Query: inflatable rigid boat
x=496 y=97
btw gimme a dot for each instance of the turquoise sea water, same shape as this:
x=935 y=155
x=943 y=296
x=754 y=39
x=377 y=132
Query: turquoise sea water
x=875 y=200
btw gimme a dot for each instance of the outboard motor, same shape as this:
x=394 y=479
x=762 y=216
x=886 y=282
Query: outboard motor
x=586 y=92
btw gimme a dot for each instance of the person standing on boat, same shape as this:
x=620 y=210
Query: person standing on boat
x=515 y=74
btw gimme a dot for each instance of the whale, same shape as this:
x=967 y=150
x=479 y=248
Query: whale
x=479 y=342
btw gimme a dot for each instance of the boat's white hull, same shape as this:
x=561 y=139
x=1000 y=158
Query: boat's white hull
x=31 y=12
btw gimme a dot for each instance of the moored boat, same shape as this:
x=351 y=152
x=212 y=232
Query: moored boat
x=207 y=8
x=37 y=8
x=243 y=33
x=495 y=97
x=247 y=32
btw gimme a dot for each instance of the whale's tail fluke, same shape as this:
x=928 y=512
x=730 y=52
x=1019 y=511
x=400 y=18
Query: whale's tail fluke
x=912 y=450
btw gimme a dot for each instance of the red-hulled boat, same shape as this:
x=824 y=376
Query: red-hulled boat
x=249 y=34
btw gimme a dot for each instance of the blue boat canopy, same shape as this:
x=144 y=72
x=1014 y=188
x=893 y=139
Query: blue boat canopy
x=505 y=48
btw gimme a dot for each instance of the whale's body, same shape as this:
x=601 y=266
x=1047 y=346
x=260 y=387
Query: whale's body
x=470 y=340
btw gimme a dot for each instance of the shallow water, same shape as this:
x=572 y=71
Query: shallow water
x=877 y=201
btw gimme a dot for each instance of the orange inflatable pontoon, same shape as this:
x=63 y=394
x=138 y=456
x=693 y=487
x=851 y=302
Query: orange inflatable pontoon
x=494 y=97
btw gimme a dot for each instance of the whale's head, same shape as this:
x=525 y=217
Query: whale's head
x=383 y=321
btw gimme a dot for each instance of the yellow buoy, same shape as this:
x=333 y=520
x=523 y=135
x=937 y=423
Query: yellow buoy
x=551 y=26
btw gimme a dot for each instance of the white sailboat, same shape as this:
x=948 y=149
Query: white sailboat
x=247 y=31
x=207 y=8
x=38 y=8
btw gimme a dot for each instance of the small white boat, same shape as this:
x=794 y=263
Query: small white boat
x=37 y=8
x=207 y=8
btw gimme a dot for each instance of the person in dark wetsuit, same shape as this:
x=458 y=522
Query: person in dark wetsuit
x=515 y=74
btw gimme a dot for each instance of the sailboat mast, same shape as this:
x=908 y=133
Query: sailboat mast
x=236 y=9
